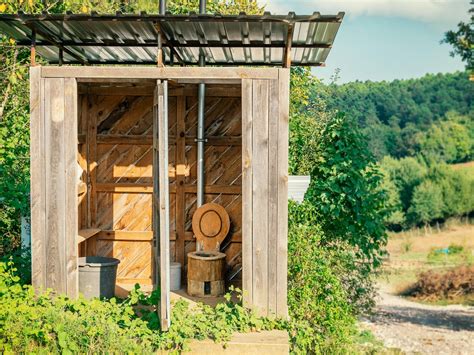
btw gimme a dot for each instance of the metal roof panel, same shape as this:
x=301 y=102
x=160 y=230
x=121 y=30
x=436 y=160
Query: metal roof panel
x=225 y=40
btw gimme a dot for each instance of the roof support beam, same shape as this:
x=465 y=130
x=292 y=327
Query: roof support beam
x=190 y=44
x=49 y=39
x=190 y=63
x=33 y=48
x=164 y=43
x=289 y=42
x=159 y=38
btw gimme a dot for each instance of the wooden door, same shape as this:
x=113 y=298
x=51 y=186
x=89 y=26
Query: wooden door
x=161 y=215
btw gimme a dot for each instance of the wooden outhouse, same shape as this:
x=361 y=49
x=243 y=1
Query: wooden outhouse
x=114 y=149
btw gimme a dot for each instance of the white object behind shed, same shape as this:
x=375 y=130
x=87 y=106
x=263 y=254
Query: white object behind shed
x=297 y=186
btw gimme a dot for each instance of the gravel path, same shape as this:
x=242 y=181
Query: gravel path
x=417 y=328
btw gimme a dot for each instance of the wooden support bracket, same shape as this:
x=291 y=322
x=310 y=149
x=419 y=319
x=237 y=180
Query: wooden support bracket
x=85 y=234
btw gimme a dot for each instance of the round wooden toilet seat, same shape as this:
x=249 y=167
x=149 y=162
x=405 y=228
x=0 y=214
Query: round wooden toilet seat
x=211 y=225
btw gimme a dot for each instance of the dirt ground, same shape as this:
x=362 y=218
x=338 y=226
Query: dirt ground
x=417 y=328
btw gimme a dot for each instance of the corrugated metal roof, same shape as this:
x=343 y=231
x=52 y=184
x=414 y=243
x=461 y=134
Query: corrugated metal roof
x=132 y=39
x=297 y=187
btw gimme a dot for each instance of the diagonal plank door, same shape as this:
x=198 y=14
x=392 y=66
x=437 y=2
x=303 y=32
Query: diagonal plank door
x=161 y=213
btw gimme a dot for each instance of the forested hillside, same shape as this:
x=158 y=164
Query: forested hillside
x=413 y=128
x=406 y=117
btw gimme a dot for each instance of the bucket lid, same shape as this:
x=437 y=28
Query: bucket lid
x=175 y=265
x=97 y=261
x=211 y=224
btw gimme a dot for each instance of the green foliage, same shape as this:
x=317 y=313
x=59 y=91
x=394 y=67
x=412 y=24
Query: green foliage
x=454 y=254
x=43 y=323
x=427 y=192
x=396 y=216
x=321 y=311
x=426 y=204
x=345 y=189
x=14 y=144
x=48 y=323
x=449 y=140
x=319 y=306
x=308 y=114
x=462 y=41
x=356 y=277
x=405 y=174
x=217 y=323
x=129 y=6
x=393 y=114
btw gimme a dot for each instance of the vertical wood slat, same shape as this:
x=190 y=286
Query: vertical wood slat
x=84 y=206
x=55 y=185
x=264 y=189
x=71 y=186
x=37 y=179
x=273 y=206
x=180 y=177
x=247 y=177
x=260 y=194
x=91 y=117
x=282 y=247
x=161 y=121
x=92 y=157
x=155 y=201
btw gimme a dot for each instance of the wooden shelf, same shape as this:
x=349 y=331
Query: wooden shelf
x=85 y=234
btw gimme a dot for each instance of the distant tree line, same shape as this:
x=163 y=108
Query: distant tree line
x=396 y=115
x=420 y=192
x=414 y=128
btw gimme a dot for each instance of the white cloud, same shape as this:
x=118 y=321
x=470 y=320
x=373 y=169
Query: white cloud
x=435 y=11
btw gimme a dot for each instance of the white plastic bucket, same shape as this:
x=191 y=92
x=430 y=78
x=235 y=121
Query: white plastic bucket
x=175 y=276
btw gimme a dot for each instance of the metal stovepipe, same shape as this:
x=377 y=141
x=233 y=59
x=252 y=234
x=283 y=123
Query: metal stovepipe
x=200 y=124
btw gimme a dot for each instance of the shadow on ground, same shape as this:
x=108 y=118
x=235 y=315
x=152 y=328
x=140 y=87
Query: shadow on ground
x=453 y=319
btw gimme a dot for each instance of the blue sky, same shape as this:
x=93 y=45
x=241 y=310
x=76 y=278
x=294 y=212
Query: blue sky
x=385 y=39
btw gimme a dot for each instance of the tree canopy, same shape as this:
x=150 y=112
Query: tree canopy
x=462 y=41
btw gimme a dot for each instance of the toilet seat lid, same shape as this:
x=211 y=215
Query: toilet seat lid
x=211 y=223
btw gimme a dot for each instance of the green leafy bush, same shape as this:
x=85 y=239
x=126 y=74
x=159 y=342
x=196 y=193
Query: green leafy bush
x=51 y=323
x=47 y=323
x=320 y=309
x=356 y=276
x=346 y=190
x=423 y=192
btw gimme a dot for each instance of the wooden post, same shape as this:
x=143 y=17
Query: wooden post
x=33 y=48
x=282 y=245
x=161 y=199
x=289 y=41
x=159 y=54
x=37 y=180
x=247 y=207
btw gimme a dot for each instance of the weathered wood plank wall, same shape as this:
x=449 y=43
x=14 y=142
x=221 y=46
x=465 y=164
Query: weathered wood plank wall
x=264 y=193
x=118 y=148
x=54 y=183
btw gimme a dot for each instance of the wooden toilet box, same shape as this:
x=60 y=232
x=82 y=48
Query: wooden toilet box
x=206 y=266
x=206 y=273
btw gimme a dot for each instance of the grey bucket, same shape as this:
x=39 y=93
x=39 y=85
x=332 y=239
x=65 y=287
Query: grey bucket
x=97 y=275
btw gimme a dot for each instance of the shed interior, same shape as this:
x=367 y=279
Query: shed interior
x=115 y=153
